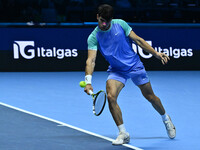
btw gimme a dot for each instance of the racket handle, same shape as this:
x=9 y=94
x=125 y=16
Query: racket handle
x=90 y=92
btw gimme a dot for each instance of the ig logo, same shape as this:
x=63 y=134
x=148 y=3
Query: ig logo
x=19 y=47
x=140 y=50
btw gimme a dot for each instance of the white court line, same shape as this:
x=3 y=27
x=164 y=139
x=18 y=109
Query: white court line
x=67 y=125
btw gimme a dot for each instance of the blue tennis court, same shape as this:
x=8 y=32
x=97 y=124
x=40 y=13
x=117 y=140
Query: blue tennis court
x=48 y=110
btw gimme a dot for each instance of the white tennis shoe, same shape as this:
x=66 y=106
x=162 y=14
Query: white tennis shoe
x=123 y=138
x=171 y=130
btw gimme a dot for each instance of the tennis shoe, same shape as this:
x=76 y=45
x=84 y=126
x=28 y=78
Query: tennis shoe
x=123 y=138
x=171 y=130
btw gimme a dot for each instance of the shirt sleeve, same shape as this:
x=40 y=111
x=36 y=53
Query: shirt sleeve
x=92 y=42
x=127 y=29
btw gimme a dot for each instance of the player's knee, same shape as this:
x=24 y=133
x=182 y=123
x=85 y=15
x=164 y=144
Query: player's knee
x=111 y=98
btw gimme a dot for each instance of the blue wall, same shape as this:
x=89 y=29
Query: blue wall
x=65 y=48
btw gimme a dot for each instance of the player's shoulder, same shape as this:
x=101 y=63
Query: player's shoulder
x=92 y=37
x=94 y=33
x=125 y=26
x=119 y=21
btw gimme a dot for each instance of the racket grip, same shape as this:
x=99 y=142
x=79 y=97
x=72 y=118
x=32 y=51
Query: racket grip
x=90 y=92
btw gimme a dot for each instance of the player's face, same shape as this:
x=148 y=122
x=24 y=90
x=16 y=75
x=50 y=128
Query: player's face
x=103 y=24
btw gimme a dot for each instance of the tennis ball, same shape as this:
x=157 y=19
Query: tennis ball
x=82 y=84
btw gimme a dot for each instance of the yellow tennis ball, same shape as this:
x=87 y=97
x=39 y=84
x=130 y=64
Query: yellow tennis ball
x=82 y=84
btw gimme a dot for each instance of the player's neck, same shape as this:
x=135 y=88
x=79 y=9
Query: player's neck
x=105 y=29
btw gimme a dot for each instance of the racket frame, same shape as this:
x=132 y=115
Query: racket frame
x=94 y=97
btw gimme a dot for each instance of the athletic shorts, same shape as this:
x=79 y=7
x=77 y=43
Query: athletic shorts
x=138 y=77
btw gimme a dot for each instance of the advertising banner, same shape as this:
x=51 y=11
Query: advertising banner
x=65 y=49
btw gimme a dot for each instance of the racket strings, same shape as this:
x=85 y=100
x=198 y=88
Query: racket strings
x=99 y=103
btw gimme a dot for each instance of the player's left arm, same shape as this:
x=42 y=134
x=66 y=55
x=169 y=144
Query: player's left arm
x=145 y=46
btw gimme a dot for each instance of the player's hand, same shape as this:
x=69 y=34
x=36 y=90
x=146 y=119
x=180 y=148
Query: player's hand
x=87 y=88
x=163 y=57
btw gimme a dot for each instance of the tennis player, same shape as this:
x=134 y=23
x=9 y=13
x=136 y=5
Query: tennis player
x=113 y=37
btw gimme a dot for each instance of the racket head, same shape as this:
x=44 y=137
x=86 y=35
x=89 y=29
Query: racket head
x=99 y=102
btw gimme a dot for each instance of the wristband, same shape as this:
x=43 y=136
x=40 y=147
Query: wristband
x=88 y=79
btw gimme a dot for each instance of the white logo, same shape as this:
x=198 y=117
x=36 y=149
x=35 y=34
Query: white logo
x=140 y=50
x=173 y=52
x=20 y=46
x=116 y=33
x=28 y=50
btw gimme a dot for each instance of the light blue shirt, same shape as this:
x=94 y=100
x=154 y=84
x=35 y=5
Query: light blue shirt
x=115 y=46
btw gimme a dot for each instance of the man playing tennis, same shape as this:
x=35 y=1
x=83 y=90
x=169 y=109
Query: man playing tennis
x=113 y=37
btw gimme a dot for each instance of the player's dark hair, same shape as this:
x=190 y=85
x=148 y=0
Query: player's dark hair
x=105 y=11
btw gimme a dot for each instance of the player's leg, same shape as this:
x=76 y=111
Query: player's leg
x=140 y=78
x=114 y=85
x=113 y=89
x=148 y=93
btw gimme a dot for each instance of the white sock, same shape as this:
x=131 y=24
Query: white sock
x=122 y=128
x=165 y=117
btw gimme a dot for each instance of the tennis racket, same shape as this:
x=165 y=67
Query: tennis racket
x=99 y=101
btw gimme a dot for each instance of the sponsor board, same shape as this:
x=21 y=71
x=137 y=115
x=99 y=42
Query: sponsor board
x=169 y=51
x=28 y=50
x=53 y=49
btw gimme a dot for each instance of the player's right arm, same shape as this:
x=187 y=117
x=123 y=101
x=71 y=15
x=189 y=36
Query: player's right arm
x=90 y=62
x=89 y=69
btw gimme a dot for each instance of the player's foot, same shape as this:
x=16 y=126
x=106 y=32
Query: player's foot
x=123 y=138
x=171 y=130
